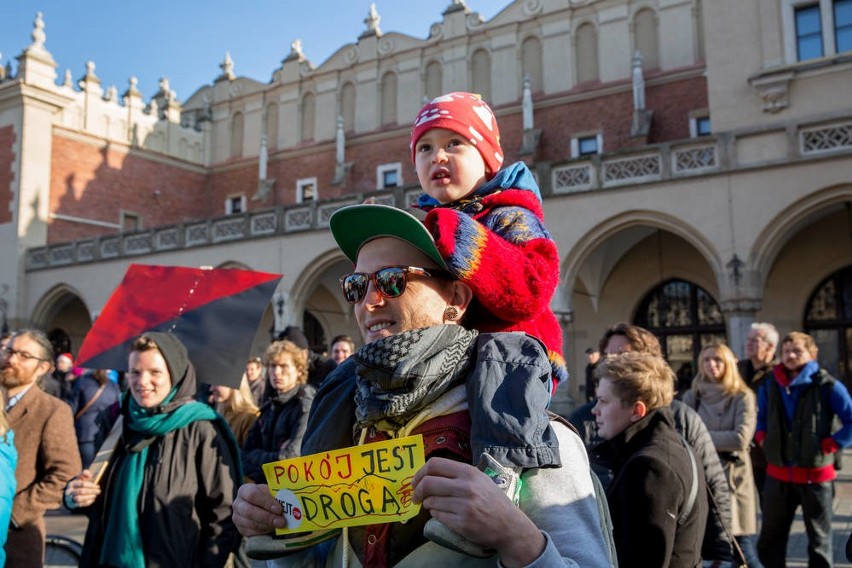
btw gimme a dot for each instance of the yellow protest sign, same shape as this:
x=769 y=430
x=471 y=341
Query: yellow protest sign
x=361 y=485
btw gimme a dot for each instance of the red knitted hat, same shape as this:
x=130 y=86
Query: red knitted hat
x=467 y=115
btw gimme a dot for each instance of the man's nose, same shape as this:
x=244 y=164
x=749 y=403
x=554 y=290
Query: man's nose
x=372 y=296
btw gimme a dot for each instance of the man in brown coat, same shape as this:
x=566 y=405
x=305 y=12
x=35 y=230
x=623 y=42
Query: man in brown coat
x=46 y=444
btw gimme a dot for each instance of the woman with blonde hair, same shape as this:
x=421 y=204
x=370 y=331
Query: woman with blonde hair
x=729 y=410
x=237 y=407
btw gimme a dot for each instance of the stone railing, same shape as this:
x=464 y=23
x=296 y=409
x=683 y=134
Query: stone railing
x=698 y=157
x=647 y=165
x=250 y=225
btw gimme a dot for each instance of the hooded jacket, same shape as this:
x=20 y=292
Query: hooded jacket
x=190 y=480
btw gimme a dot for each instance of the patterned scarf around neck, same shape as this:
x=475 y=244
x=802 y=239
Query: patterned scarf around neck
x=398 y=376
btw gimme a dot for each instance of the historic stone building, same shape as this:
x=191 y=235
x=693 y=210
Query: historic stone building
x=695 y=159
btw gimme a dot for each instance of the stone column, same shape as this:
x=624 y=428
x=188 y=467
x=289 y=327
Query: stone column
x=739 y=315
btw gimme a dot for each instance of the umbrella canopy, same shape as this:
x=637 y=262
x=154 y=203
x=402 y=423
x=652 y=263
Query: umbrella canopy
x=214 y=312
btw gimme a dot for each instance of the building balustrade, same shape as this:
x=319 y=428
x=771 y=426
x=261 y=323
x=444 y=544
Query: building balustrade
x=706 y=155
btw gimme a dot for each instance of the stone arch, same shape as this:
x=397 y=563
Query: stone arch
x=532 y=63
x=480 y=73
x=389 y=95
x=237 y=134
x=307 y=117
x=63 y=308
x=271 y=118
x=234 y=264
x=790 y=221
x=348 y=105
x=646 y=37
x=433 y=81
x=317 y=283
x=586 y=53
x=634 y=225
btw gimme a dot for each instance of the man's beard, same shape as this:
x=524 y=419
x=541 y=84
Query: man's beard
x=11 y=377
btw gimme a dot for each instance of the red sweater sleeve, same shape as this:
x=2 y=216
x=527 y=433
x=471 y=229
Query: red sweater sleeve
x=507 y=258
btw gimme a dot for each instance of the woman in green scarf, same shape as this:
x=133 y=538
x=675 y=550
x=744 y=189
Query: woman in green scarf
x=166 y=496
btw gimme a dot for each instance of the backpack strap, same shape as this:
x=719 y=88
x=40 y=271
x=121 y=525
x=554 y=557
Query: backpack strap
x=693 y=490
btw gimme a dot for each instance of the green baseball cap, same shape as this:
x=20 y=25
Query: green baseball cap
x=355 y=225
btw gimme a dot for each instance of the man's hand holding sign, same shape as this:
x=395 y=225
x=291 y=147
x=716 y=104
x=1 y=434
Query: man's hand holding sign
x=360 y=485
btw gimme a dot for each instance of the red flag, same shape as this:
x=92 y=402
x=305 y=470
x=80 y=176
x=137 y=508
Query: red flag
x=215 y=312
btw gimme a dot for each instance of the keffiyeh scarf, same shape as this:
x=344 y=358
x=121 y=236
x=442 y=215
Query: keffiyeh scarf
x=398 y=376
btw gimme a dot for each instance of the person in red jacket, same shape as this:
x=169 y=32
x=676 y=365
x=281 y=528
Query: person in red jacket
x=487 y=221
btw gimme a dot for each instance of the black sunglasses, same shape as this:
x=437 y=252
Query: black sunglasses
x=389 y=281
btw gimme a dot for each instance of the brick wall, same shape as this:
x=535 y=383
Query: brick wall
x=98 y=183
x=7 y=175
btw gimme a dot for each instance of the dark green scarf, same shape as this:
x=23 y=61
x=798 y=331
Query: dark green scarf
x=123 y=541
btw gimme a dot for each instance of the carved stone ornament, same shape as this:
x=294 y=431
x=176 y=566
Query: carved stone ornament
x=386 y=46
x=38 y=34
x=533 y=7
x=773 y=89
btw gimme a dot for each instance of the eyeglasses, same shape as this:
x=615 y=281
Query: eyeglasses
x=389 y=281
x=23 y=355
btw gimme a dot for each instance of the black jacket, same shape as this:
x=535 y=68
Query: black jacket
x=278 y=432
x=653 y=478
x=717 y=544
x=190 y=482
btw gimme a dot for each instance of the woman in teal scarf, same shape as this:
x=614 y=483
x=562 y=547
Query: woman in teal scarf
x=166 y=496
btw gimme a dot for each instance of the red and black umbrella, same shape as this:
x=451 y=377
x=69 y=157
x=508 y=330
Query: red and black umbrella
x=214 y=312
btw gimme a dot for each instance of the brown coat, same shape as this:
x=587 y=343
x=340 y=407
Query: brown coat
x=47 y=458
x=731 y=422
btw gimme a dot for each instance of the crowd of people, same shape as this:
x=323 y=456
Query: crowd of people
x=458 y=344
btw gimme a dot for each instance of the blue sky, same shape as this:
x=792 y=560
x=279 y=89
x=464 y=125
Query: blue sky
x=185 y=40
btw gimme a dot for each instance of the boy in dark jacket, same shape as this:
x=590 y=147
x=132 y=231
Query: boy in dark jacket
x=658 y=498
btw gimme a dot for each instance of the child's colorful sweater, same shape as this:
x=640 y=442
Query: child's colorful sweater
x=495 y=241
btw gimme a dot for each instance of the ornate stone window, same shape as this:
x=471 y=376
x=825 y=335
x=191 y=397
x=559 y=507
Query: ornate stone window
x=685 y=318
x=828 y=318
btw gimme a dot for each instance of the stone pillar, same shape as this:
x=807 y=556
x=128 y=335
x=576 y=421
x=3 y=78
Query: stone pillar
x=739 y=315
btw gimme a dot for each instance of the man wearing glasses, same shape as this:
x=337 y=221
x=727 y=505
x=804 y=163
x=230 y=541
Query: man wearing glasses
x=46 y=442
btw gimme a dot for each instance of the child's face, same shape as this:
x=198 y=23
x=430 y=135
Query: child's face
x=448 y=166
x=612 y=414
